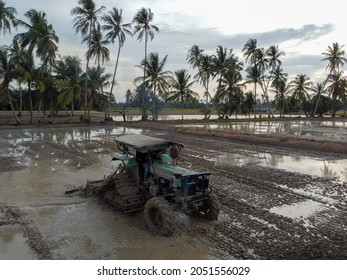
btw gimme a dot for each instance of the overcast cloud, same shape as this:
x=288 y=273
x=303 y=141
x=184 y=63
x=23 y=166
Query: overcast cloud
x=302 y=34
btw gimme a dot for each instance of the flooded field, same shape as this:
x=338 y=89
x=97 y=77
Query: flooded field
x=38 y=167
x=297 y=163
x=319 y=130
x=275 y=204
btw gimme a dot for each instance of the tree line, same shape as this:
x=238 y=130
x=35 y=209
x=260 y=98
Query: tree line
x=49 y=83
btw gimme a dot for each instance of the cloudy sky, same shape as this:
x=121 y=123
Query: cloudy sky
x=301 y=28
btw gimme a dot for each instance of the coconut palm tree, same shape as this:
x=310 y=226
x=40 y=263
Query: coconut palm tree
x=181 y=88
x=7 y=75
x=48 y=97
x=265 y=62
x=318 y=90
x=193 y=56
x=249 y=103
x=253 y=75
x=221 y=62
x=337 y=89
x=128 y=96
x=68 y=72
x=29 y=74
x=205 y=74
x=262 y=62
x=144 y=28
x=7 y=18
x=40 y=36
x=230 y=90
x=157 y=78
x=300 y=87
x=249 y=51
x=98 y=81
x=277 y=76
x=335 y=57
x=115 y=29
x=86 y=18
x=273 y=53
x=253 y=72
x=98 y=50
x=281 y=89
x=17 y=52
x=197 y=59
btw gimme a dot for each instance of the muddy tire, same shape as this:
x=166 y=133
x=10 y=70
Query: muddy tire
x=159 y=216
x=210 y=210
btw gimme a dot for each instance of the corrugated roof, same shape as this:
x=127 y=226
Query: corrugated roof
x=143 y=143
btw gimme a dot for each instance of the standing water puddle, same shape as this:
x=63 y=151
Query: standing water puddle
x=319 y=130
x=298 y=164
x=60 y=159
x=299 y=210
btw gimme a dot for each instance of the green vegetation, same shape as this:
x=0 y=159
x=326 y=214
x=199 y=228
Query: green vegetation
x=33 y=77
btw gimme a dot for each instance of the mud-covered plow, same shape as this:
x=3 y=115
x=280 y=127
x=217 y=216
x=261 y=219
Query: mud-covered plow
x=118 y=189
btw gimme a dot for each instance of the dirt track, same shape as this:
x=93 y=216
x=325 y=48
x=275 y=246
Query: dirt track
x=252 y=224
x=248 y=229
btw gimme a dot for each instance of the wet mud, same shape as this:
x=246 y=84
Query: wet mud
x=266 y=212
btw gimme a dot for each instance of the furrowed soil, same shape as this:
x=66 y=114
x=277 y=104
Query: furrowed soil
x=266 y=213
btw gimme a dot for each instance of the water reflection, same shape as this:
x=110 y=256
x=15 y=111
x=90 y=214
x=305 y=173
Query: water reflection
x=17 y=143
x=58 y=135
x=299 y=210
x=298 y=164
x=163 y=117
x=324 y=130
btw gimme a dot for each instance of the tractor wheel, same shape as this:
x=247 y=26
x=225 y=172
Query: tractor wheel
x=210 y=210
x=159 y=216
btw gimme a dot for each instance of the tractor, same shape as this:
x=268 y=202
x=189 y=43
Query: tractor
x=148 y=178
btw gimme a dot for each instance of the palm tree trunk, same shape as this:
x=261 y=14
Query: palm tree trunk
x=269 y=113
x=255 y=99
x=85 y=93
x=31 y=104
x=113 y=78
x=20 y=102
x=316 y=106
x=182 y=106
x=265 y=86
x=319 y=94
x=144 y=80
x=12 y=108
x=68 y=115
x=208 y=113
x=85 y=116
x=39 y=111
x=154 y=115
x=72 y=108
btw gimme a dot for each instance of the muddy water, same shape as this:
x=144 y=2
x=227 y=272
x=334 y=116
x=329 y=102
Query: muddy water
x=303 y=209
x=49 y=224
x=37 y=220
x=323 y=130
x=297 y=164
x=13 y=244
